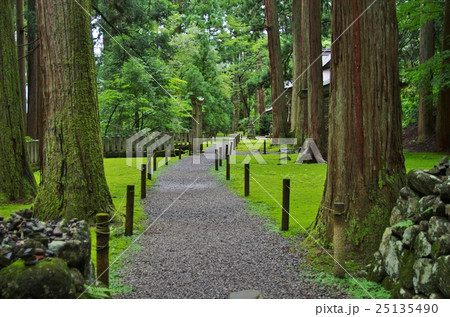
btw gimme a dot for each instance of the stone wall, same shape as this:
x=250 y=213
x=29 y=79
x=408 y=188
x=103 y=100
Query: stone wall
x=413 y=259
x=44 y=259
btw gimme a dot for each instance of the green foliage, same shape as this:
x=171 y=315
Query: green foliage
x=404 y=224
x=412 y=15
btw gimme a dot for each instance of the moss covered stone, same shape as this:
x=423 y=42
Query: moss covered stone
x=406 y=269
x=442 y=271
x=47 y=279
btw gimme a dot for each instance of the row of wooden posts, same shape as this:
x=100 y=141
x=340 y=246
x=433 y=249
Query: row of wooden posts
x=339 y=236
x=102 y=219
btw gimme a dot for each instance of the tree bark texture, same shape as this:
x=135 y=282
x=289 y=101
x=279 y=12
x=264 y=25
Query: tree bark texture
x=443 y=111
x=16 y=178
x=366 y=164
x=20 y=27
x=73 y=178
x=34 y=115
x=279 y=105
x=317 y=112
x=426 y=120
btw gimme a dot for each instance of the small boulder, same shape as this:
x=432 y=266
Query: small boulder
x=426 y=207
x=410 y=235
x=422 y=182
x=398 y=292
x=442 y=271
x=49 y=278
x=407 y=260
x=376 y=271
x=437 y=227
x=396 y=216
x=422 y=248
x=445 y=191
x=388 y=251
x=424 y=277
x=441 y=246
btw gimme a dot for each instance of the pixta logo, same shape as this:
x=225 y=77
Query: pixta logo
x=143 y=145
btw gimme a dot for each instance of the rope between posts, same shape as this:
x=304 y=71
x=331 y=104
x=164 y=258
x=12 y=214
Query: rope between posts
x=261 y=179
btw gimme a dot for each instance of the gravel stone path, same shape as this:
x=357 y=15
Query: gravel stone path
x=206 y=245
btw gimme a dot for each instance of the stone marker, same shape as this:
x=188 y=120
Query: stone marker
x=246 y=294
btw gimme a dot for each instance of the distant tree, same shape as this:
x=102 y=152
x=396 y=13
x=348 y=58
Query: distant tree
x=299 y=109
x=366 y=165
x=73 y=178
x=317 y=111
x=426 y=119
x=16 y=178
x=279 y=106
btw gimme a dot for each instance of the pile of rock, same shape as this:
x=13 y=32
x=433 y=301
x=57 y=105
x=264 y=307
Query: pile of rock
x=413 y=259
x=31 y=251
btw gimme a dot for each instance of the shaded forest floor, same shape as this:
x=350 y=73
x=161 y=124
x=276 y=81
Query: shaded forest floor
x=410 y=142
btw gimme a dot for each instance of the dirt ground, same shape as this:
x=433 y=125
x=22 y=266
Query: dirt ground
x=410 y=140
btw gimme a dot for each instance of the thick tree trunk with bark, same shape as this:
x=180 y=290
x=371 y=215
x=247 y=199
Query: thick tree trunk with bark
x=34 y=116
x=16 y=178
x=20 y=27
x=426 y=120
x=296 y=66
x=443 y=110
x=73 y=178
x=366 y=165
x=317 y=116
x=279 y=106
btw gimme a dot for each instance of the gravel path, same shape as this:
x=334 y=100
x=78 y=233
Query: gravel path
x=206 y=245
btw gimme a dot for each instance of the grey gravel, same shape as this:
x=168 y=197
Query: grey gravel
x=206 y=245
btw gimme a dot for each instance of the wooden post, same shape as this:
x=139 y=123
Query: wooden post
x=166 y=156
x=102 y=232
x=130 y=211
x=226 y=150
x=216 y=162
x=179 y=152
x=247 y=180
x=231 y=147
x=285 y=210
x=339 y=239
x=149 y=167
x=220 y=156
x=155 y=165
x=201 y=147
x=143 y=181
x=228 y=167
x=265 y=152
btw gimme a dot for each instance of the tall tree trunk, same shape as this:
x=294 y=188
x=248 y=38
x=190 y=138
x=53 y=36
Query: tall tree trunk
x=16 y=178
x=245 y=109
x=443 y=110
x=296 y=67
x=299 y=121
x=317 y=116
x=235 y=121
x=73 y=179
x=426 y=120
x=20 y=26
x=366 y=165
x=262 y=103
x=34 y=115
x=279 y=106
